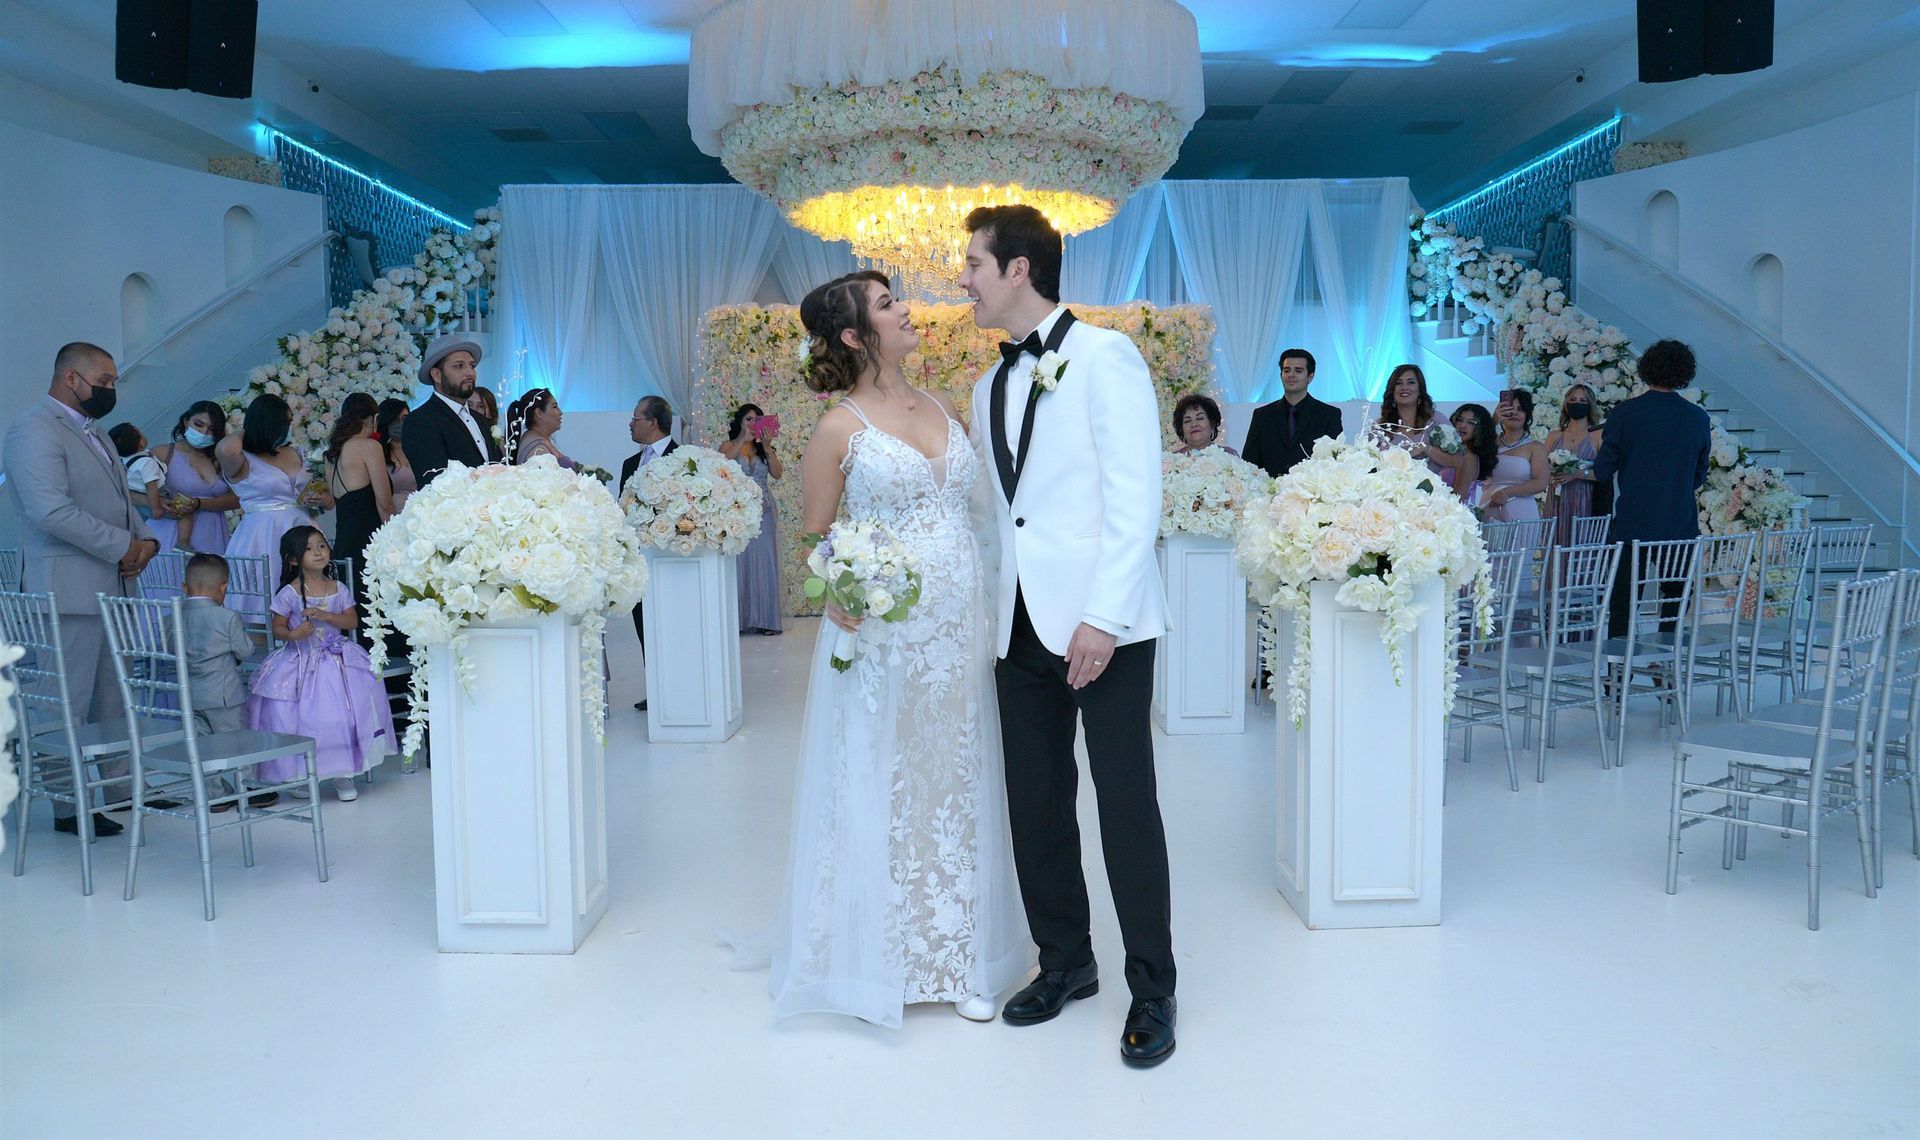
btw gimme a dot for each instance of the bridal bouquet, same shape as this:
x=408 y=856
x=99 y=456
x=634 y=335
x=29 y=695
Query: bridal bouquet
x=602 y=474
x=865 y=571
x=1565 y=462
x=1206 y=491
x=1442 y=437
x=693 y=498
x=501 y=543
x=1375 y=521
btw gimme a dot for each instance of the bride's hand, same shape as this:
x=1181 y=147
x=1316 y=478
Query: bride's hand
x=843 y=619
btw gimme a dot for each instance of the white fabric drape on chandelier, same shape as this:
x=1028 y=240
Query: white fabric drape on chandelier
x=607 y=286
x=1103 y=265
x=750 y=52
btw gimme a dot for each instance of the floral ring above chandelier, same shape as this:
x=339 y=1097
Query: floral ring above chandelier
x=884 y=125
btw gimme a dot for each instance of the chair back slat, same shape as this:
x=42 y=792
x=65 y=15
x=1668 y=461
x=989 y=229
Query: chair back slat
x=1723 y=568
x=1658 y=565
x=10 y=568
x=1589 y=530
x=1518 y=534
x=250 y=591
x=146 y=637
x=166 y=575
x=40 y=696
x=1580 y=580
x=1861 y=616
x=1507 y=571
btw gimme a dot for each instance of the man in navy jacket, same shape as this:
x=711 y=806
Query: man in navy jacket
x=1656 y=447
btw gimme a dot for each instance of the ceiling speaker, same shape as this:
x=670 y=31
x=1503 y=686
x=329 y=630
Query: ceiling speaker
x=202 y=45
x=1680 y=39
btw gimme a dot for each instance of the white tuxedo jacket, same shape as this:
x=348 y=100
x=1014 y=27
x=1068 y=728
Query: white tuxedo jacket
x=1077 y=541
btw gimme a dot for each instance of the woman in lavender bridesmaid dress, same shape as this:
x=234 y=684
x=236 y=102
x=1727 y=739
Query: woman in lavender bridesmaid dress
x=759 y=563
x=193 y=471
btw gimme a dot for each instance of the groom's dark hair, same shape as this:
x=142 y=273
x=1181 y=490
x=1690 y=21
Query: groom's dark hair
x=1022 y=231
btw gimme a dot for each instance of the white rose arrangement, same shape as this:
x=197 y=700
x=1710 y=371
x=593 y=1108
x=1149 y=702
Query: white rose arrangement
x=692 y=499
x=863 y=569
x=1206 y=492
x=1564 y=462
x=9 y=783
x=501 y=543
x=1375 y=521
x=1442 y=436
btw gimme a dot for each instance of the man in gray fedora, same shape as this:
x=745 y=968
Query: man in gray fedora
x=80 y=535
x=442 y=430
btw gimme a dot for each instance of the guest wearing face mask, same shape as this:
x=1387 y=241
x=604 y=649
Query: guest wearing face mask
x=270 y=478
x=1575 y=494
x=194 y=473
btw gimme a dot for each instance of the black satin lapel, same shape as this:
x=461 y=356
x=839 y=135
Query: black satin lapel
x=997 y=430
x=1054 y=340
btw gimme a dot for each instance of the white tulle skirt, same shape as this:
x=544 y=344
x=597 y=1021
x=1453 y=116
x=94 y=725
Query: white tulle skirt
x=900 y=884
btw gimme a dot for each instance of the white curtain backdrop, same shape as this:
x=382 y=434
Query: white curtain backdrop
x=1104 y=266
x=607 y=285
x=1358 y=234
x=1239 y=248
x=804 y=261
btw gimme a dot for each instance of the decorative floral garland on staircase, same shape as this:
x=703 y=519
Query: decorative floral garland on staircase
x=372 y=344
x=1550 y=344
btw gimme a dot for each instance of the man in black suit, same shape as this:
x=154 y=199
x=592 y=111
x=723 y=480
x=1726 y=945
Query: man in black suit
x=1282 y=433
x=442 y=430
x=652 y=428
x=1656 y=446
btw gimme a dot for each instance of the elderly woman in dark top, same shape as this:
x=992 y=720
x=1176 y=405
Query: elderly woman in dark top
x=1196 y=420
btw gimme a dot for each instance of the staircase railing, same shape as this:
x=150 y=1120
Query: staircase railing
x=211 y=307
x=1891 y=492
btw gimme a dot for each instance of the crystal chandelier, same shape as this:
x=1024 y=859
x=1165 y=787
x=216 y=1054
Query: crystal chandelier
x=884 y=125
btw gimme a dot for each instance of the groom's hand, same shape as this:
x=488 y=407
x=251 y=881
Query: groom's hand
x=1088 y=655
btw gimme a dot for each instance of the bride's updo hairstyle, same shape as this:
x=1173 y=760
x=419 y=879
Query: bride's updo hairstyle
x=828 y=311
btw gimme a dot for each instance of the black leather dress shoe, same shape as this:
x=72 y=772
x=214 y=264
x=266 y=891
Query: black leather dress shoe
x=1148 y=1038
x=102 y=826
x=640 y=706
x=1048 y=994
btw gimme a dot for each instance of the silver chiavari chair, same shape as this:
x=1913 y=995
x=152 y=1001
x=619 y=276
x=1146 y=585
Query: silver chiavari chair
x=10 y=568
x=1839 y=554
x=1533 y=537
x=1480 y=693
x=1772 y=640
x=61 y=757
x=1723 y=571
x=148 y=641
x=1659 y=591
x=1564 y=671
x=1823 y=772
x=250 y=591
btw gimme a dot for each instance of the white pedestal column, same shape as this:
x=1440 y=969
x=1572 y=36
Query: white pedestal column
x=519 y=804
x=1360 y=781
x=1200 y=673
x=693 y=648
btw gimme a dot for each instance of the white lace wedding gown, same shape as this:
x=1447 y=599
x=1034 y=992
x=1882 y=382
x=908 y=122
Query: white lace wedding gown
x=900 y=885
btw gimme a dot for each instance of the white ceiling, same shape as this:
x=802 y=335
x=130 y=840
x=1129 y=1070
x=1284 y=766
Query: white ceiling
x=486 y=92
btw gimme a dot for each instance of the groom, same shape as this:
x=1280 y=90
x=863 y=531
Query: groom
x=1071 y=426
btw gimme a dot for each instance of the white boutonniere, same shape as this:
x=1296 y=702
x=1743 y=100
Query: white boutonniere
x=1048 y=372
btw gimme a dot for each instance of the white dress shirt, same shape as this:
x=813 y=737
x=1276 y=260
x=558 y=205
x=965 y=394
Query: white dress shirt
x=466 y=417
x=1020 y=385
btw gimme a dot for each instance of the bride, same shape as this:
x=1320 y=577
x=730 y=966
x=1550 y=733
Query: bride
x=899 y=885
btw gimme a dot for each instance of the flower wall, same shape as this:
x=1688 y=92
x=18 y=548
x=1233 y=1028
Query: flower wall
x=753 y=354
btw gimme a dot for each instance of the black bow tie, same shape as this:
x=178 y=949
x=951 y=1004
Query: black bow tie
x=1010 y=352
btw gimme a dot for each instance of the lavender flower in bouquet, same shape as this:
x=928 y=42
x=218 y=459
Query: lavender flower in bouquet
x=860 y=567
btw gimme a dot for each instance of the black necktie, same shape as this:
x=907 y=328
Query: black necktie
x=1010 y=352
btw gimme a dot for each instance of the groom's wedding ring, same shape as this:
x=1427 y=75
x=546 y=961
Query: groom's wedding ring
x=1097 y=661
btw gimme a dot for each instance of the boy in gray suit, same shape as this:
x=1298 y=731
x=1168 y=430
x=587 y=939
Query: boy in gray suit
x=216 y=643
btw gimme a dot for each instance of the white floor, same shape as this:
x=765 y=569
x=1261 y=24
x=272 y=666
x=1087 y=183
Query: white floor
x=1565 y=994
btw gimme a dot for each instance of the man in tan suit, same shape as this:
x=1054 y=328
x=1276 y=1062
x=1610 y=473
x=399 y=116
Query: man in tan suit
x=80 y=535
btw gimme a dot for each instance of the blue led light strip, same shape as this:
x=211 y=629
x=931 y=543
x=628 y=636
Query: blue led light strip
x=1522 y=171
x=289 y=140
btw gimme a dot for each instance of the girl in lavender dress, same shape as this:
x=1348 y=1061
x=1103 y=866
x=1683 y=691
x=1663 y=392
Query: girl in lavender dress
x=1520 y=473
x=750 y=444
x=320 y=682
x=1574 y=492
x=193 y=478
x=532 y=421
x=270 y=479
